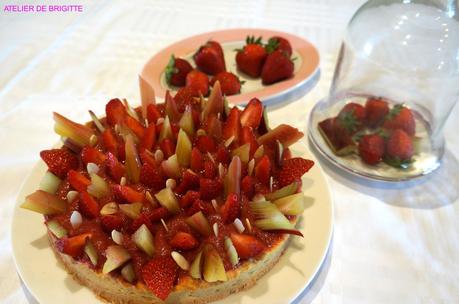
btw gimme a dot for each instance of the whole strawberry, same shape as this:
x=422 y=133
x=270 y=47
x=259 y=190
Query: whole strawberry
x=176 y=71
x=209 y=58
x=399 y=149
x=371 y=148
x=198 y=81
x=278 y=43
x=376 y=110
x=230 y=83
x=278 y=66
x=400 y=117
x=252 y=56
x=352 y=117
x=59 y=161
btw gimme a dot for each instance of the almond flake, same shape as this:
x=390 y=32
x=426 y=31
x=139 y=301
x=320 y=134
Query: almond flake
x=164 y=224
x=215 y=228
x=71 y=196
x=92 y=168
x=211 y=157
x=201 y=132
x=96 y=121
x=150 y=199
x=229 y=141
x=250 y=166
x=159 y=156
x=160 y=121
x=109 y=208
x=76 y=219
x=249 y=225
x=180 y=260
x=146 y=123
x=93 y=140
x=123 y=181
x=171 y=183
x=215 y=205
x=271 y=180
x=221 y=170
x=117 y=237
x=239 y=226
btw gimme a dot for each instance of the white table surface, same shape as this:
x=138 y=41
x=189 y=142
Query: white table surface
x=391 y=243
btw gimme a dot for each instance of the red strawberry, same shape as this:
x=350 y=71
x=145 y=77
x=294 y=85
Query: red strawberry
x=153 y=113
x=352 y=117
x=285 y=134
x=278 y=43
x=109 y=142
x=152 y=176
x=112 y=222
x=59 y=161
x=200 y=205
x=115 y=111
x=128 y=194
x=196 y=160
x=399 y=149
x=92 y=155
x=148 y=218
x=189 y=198
x=232 y=126
x=88 y=206
x=247 y=246
x=148 y=140
x=277 y=67
x=136 y=127
x=230 y=210
x=375 y=111
x=209 y=58
x=114 y=167
x=183 y=241
x=176 y=71
x=251 y=58
x=248 y=186
x=185 y=96
x=78 y=181
x=159 y=275
x=168 y=147
x=205 y=144
x=263 y=170
x=247 y=136
x=371 y=148
x=223 y=156
x=293 y=169
x=230 y=83
x=213 y=126
x=400 y=117
x=209 y=188
x=210 y=169
x=251 y=116
x=198 y=81
x=336 y=136
x=189 y=181
x=72 y=246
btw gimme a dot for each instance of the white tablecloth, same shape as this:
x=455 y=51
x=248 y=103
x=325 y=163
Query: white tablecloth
x=391 y=244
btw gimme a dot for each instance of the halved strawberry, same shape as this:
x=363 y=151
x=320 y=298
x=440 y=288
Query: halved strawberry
x=114 y=167
x=209 y=188
x=183 y=241
x=59 y=161
x=159 y=275
x=136 y=127
x=72 y=246
x=88 y=206
x=78 y=181
x=112 y=222
x=115 y=112
x=153 y=113
x=251 y=115
x=285 y=134
x=188 y=199
x=128 y=194
x=263 y=170
x=196 y=160
x=152 y=176
x=189 y=181
x=230 y=210
x=247 y=246
x=92 y=155
x=206 y=144
x=223 y=156
x=109 y=142
x=210 y=169
x=247 y=137
x=168 y=147
x=248 y=186
x=232 y=126
x=148 y=140
x=293 y=169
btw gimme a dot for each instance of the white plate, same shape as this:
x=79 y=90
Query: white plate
x=48 y=282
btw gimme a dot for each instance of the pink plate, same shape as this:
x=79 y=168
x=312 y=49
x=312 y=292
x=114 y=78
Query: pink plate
x=306 y=71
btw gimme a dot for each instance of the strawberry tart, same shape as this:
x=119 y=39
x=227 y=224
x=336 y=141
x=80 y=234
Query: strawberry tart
x=187 y=201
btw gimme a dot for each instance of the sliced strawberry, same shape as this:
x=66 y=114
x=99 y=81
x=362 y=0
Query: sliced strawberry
x=200 y=205
x=109 y=142
x=115 y=111
x=247 y=246
x=112 y=222
x=170 y=106
x=230 y=210
x=189 y=198
x=263 y=170
x=400 y=117
x=223 y=156
x=183 y=241
x=149 y=218
x=159 y=275
x=213 y=126
x=205 y=144
x=78 y=181
x=232 y=126
x=59 y=161
x=251 y=115
x=293 y=169
x=153 y=113
x=92 y=155
x=189 y=181
x=375 y=111
x=148 y=157
x=114 y=167
x=248 y=186
x=88 y=206
x=128 y=194
x=247 y=137
x=148 y=140
x=196 y=160
x=209 y=188
x=168 y=147
x=72 y=246
x=152 y=176
x=210 y=169
x=285 y=134
x=198 y=81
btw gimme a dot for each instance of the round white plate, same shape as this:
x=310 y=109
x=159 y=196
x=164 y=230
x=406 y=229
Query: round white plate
x=48 y=281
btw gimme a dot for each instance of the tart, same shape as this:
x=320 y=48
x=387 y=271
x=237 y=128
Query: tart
x=187 y=201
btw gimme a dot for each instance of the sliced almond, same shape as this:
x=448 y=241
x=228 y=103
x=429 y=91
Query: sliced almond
x=117 y=237
x=239 y=225
x=109 y=208
x=92 y=168
x=180 y=260
x=76 y=219
x=72 y=195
